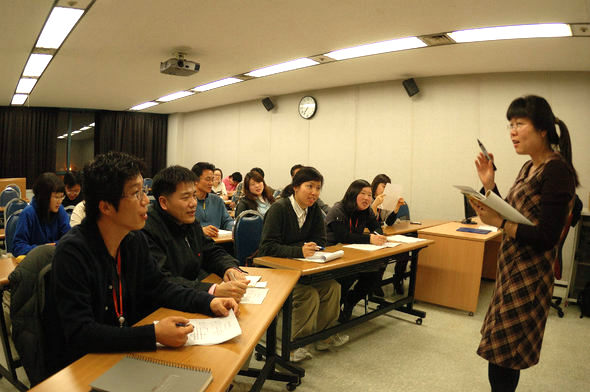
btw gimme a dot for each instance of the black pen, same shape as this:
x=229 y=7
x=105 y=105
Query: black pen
x=182 y=324
x=241 y=270
x=485 y=153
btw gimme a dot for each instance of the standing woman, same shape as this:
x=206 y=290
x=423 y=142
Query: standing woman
x=45 y=220
x=513 y=328
x=218 y=185
x=346 y=223
x=257 y=195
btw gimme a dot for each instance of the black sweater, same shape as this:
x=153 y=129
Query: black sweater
x=281 y=235
x=349 y=228
x=83 y=319
x=183 y=253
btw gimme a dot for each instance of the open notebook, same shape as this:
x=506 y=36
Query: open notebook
x=495 y=203
x=322 y=257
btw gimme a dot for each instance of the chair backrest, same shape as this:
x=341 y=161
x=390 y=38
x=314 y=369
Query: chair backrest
x=404 y=212
x=8 y=194
x=13 y=206
x=16 y=188
x=10 y=229
x=247 y=232
x=29 y=287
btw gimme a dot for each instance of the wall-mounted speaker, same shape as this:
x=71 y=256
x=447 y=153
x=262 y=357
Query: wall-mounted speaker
x=411 y=87
x=268 y=105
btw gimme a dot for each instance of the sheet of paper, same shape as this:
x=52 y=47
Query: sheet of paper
x=369 y=247
x=253 y=280
x=488 y=227
x=214 y=330
x=403 y=239
x=254 y=296
x=224 y=233
x=391 y=244
x=322 y=257
x=261 y=285
x=392 y=194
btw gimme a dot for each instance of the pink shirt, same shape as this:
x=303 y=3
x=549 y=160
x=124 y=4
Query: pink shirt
x=228 y=185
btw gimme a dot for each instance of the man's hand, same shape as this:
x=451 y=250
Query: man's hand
x=234 y=289
x=210 y=231
x=378 y=239
x=234 y=274
x=221 y=306
x=309 y=249
x=171 y=335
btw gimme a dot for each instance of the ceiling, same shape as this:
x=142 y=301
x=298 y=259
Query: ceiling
x=111 y=59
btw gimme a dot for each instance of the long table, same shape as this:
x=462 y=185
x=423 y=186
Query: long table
x=450 y=271
x=351 y=263
x=224 y=360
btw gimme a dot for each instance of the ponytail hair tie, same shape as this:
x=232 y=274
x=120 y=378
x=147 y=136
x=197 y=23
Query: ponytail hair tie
x=556 y=120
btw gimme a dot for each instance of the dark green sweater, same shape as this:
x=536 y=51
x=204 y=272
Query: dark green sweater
x=281 y=235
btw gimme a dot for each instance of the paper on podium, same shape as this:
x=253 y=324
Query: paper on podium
x=322 y=257
x=213 y=330
x=392 y=194
x=495 y=203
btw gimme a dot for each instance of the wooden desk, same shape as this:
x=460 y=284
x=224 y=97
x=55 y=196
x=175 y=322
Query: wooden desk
x=404 y=227
x=2 y=235
x=352 y=262
x=223 y=239
x=224 y=360
x=450 y=271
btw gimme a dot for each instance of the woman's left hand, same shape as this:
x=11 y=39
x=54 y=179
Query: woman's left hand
x=486 y=214
x=400 y=203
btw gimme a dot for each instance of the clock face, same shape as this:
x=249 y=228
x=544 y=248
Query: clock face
x=307 y=107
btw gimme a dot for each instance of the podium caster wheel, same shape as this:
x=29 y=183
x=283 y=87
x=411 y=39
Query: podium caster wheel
x=258 y=357
x=419 y=321
x=291 y=386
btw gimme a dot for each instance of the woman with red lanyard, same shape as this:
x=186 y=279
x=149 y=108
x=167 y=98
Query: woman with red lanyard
x=346 y=223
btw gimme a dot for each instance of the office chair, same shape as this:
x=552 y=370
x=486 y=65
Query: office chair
x=403 y=213
x=400 y=267
x=15 y=187
x=11 y=229
x=247 y=232
x=29 y=288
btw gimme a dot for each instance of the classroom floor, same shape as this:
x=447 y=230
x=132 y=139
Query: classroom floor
x=395 y=354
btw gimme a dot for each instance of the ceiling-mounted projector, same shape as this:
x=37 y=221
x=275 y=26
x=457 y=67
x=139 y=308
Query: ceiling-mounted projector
x=179 y=66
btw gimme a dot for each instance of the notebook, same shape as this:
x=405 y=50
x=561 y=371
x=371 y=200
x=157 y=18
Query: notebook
x=138 y=374
x=322 y=257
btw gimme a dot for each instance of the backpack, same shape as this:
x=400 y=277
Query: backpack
x=584 y=301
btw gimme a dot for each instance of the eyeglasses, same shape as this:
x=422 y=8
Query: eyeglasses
x=140 y=193
x=58 y=196
x=517 y=125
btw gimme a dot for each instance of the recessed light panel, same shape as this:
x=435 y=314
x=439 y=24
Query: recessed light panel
x=512 y=32
x=283 y=67
x=59 y=24
x=36 y=64
x=377 y=48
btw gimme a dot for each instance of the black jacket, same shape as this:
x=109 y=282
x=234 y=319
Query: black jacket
x=349 y=228
x=183 y=253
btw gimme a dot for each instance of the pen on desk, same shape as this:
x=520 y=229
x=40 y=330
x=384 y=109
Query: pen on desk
x=241 y=270
x=485 y=152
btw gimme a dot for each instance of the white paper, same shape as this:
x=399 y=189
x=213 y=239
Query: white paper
x=488 y=227
x=369 y=247
x=253 y=280
x=391 y=244
x=496 y=203
x=254 y=296
x=403 y=239
x=224 y=233
x=392 y=194
x=214 y=330
x=261 y=285
x=322 y=257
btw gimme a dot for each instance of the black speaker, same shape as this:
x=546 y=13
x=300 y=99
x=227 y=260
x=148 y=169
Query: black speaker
x=268 y=103
x=411 y=87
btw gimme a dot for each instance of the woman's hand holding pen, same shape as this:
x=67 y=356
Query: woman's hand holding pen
x=378 y=239
x=173 y=331
x=309 y=249
x=485 y=170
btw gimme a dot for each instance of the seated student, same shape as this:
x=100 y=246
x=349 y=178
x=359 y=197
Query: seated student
x=104 y=279
x=73 y=182
x=232 y=181
x=288 y=190
x=257 y=195
x=388 y=218
x=176 y=240
x=218 y=185
x=45 y=220
x=346 y=223
x=294 y=227
x=240 y=188
x=211 y=211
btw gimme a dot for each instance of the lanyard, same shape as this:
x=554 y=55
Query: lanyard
x=119 y=308
x=356 y=223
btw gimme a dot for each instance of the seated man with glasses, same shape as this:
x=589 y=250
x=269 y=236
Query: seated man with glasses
x=73 y=182
x=104 y=278
x=185 y=255
x=211 y=211
x=45 y=220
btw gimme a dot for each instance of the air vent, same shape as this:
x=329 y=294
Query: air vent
x=436 y=39
x=580 y=29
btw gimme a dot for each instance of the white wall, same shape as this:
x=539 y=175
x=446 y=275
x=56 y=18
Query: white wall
x=425 y=143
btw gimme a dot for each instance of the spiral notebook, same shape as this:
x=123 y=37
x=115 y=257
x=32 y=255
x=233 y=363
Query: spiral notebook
x=138 y=373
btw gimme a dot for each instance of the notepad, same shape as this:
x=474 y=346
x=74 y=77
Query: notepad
x=472 y=230
x=254 y=296
x=224 y=233
x=368 y=247
x=252 y=280
x=322 y=257
x=214 y=330
x=139 y=374
x=404 y=239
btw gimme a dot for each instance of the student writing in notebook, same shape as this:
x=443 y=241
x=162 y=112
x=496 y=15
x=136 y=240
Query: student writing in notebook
x=176 y=240
x=104 y=278
x=513 y=328
x=294 y=228
x=346 y=223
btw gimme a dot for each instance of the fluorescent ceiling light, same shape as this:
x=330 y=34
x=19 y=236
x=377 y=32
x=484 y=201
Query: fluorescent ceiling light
x=377 y=48
x=36 y=64
x=173 y=96
x=512 y=32
x=59 y=24
x=278 y=68
x=76 y=132
x=61 y=137
x=219 y=83
x=91 y=125
x=144 y=105
x=19 y=99
x=25 y=85
x=84 y=128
